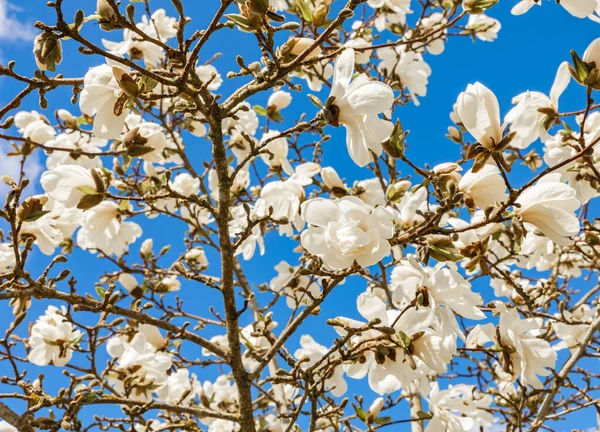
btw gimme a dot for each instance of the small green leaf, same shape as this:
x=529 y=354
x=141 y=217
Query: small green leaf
x=36 y=215
x=259 y=110
x=100 y=291
x=424 y=415
x=315 y=101
x=304 y=10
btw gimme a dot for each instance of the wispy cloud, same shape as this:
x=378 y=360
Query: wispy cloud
x=11 y=28
x=12 y=166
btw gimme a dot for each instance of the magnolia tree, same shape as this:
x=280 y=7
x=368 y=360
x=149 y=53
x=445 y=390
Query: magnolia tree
x=159 y=339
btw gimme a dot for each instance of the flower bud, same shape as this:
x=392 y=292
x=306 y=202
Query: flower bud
x=47 y=48
x=67 y=118
x=279 y=100
x=104 y=10
x=295 y=46
x=375 y=408
x=478 y=6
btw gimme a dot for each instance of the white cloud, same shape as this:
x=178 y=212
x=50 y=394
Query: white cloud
x=11 y=29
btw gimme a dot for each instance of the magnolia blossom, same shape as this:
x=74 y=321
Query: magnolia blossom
x=184 y=184
x=237 y=225
x=356 y=105
x=362 y=56
x=52 y=338
x=99 y=98
x=572 y=334
x=279 y=100
x=104 y=228
x=150 y=135
x=76 y=141
x=299 y=289
x=392 y=12
x=282 y=198
x=54 y=227
x=315 y=75
x=442 y=285
x=7 y=257
x=67 y=184
x=459 y=408
x=345 y=231
x=209 y=73
x=549 y=205
x=435 y=26
x=528 y=354
x=314 y=352
x=140 y=368
x=400 y=367
x=485 y=28
x=485 y=187
x=34 y=126
x=479 y=113
x=410 y=68
x=527 y=120
x=276 y=154
x=577 y=8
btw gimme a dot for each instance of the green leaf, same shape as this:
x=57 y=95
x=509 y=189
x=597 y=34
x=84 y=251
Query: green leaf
x=100 y=291
x=88 y=190
x=382 y=420
x=315 y=101
x=36 y=215
x=304 y=10
x=241 y=21
x=580 y=71
x=360 y=413
x=259 y=110
x=424 y=415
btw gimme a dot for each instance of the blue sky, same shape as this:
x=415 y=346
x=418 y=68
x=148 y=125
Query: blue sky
x=524 y=57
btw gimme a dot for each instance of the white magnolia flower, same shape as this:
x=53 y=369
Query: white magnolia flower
x=246 y=121
x=435 y=26
x=135 y=48
x=485 y=28
x=557 y=150
x=65 y=183
x=279 y=100
x=572 y=334
x=152 y=133
x=75 y=141
x=549 y=205
x=298 y=289
x=277 y=152
x=197 y=256
x=237 y=225
x=577 y=8
x=177 y=385
x=410 y=68
x=479 y=113
x=283 y=199
x=99 y=97
x=139 y=364
x=52 y=338
x=184 y=184
x=34 y=126
x=356 y=106
x=345 y=231
x=370 y=192
x=392 y=12
x=486 y=187
x=209 y=73
x=459 y=408
x=105 y=229
x=442 y=285
x=526 y=119
x=389 y=373
x=169 y=284
x=302 y=44
x=6 y=427
x=314 y=352
x=362 y=56
x=528 y=354
x=54 y=227
x=240 y=182
x=332 y=180
x=220 y=425
x=7 y=257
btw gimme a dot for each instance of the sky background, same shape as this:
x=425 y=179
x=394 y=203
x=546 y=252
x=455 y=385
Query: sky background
x=524 y=57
